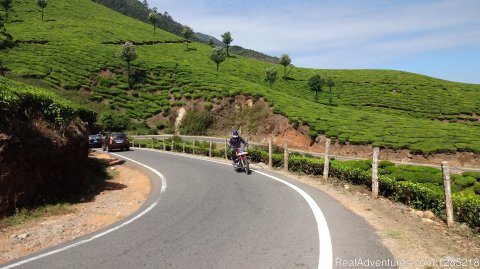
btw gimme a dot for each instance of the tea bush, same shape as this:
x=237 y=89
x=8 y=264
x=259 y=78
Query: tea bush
x=28 y=101
x=305 y=164
x=463 y=181
x=476 y=188
x=475 y=175
x=466 y=209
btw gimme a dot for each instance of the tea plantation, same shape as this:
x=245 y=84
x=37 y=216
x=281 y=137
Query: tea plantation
x=79 y=40
x=22 y=101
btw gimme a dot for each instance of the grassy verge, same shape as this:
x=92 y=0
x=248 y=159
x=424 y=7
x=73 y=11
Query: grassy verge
x=23 y=215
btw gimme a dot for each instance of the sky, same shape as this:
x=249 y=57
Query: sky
x=438 y=38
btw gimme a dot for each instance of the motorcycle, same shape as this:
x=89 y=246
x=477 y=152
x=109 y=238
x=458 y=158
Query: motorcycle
x=243 y=161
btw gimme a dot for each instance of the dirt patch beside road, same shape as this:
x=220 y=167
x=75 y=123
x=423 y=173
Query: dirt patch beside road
x=121 y=196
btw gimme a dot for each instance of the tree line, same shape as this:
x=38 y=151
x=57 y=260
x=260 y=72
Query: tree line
x=141 y=11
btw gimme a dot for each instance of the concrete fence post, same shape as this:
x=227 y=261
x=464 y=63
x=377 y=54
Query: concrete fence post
x=270 y=164
x=285 y=156
x=226 y=154
x=326 y=162
x=164 y=148
x=210 y=151
x=183 y=147
x=375 y=172
x=173 y=145
x=193 y=147
x=152 y=142
x=448 y=193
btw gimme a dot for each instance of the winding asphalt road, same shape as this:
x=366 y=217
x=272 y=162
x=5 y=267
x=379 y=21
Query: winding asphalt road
x=205 y=215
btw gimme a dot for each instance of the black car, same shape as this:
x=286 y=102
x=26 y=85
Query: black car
x=95 y=141
x=115 y=141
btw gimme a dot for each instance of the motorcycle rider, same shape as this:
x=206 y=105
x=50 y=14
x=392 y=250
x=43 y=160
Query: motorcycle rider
x=235 y=143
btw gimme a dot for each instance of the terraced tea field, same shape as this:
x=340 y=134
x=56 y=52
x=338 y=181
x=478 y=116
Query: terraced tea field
x=80 y=40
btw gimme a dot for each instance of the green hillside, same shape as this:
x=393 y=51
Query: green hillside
x=80 y=38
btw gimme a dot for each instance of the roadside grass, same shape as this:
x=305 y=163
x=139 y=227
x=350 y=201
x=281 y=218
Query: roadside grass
x=386 y=108
x=394 y=234
x=24 y=215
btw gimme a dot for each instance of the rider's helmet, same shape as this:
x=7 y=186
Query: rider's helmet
x=234 y=133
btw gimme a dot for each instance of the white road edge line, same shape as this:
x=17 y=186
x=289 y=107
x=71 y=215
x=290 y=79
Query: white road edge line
x=164 y=187
x=325 y=257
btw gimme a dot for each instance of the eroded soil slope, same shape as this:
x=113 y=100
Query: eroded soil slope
x=257 y=121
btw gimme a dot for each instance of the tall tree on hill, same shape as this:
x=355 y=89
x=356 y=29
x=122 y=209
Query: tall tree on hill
x=315 y=83
x=227 y=40
x=270 y=75
x=330 y=83
x=7 y=5
x=128 y=54
x=145 y=3
x=153 y=19
x=285 y=60
x=187 y=33
x=210 y=42
x=42 y=4
x=218 y=56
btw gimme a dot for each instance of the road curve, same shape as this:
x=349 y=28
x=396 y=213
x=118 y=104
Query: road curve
x=209 y=216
